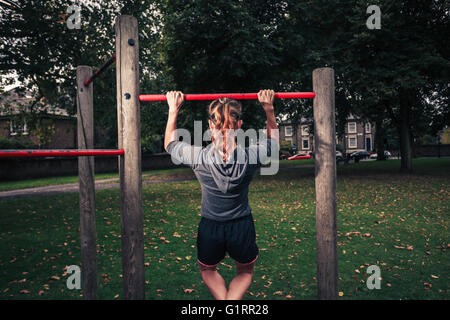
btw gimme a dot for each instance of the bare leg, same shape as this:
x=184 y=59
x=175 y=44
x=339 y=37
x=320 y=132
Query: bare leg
x=239 y=285
x=214 y=282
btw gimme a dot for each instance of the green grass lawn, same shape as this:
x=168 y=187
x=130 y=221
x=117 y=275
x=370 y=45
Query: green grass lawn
x=146 y=175
x=41 y=182
x=395 y=221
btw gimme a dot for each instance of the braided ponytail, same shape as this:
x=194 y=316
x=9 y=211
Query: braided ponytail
x=224 y=114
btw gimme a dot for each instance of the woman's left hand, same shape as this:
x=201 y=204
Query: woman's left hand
x=175 y=100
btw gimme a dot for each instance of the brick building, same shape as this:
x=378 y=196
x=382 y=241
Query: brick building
x=359 y=136
x=56 y=128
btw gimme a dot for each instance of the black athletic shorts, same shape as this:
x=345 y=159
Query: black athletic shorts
x=237 y=237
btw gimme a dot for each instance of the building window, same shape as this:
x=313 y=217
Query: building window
x=368 y=128
x=305 y=144
x=368 y=144
x=288 y=140
x=305 y=130
x=352 y=127
x=16 y=127
x=352 y=142
x=288 y=131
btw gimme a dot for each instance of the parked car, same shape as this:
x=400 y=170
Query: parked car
x=284 y=155
x=339 y=156
x=387 y=155
x=300 y=156
x=360 y=155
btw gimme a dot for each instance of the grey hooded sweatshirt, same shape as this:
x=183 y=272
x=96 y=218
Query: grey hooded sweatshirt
x=224 y=185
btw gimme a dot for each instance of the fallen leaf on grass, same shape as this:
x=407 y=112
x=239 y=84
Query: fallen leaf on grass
x=188 y=290
x=164 y=239
x=407 y=247
x=352 y=233
x=24 y=291
x=226 y=265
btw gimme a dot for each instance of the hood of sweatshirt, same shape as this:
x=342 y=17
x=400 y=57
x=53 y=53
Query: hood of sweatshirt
x=230 y=174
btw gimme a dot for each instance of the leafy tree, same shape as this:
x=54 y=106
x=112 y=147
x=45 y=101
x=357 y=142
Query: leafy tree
x=38 y=48
x=219 y=46
x=395 y=76
x=391 y=73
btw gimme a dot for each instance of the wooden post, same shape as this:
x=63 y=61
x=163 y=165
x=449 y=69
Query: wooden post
x=85 y=127
x=325 y=171
x=127 y=66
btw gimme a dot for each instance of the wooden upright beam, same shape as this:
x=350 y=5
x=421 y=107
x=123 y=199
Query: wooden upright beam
x=127 y=66
x=325 y=171
x=85 y=127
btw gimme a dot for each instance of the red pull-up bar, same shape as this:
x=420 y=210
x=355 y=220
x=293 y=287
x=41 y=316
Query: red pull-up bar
x=238 y=96
x=96 y=73
x=59 y=153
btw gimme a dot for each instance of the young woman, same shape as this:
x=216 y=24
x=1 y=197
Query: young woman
x=224 y=170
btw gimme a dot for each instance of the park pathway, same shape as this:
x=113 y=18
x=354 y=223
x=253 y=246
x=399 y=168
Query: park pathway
x=100 y=184
x=73 y=187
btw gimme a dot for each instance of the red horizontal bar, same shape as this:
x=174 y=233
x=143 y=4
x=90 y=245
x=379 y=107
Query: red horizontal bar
x=96 y=73
x=238 y=96
x=59 y=153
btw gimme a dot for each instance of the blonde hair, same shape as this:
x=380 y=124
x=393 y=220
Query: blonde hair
x=225 y=114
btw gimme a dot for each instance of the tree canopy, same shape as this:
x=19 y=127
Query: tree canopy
x=397 y=75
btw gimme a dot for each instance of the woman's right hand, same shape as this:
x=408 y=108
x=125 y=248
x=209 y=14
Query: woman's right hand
x=174 y=99
x=266 y=97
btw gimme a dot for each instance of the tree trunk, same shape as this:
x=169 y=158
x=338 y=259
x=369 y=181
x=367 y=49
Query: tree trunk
x=379 y=136
x=405 y=134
